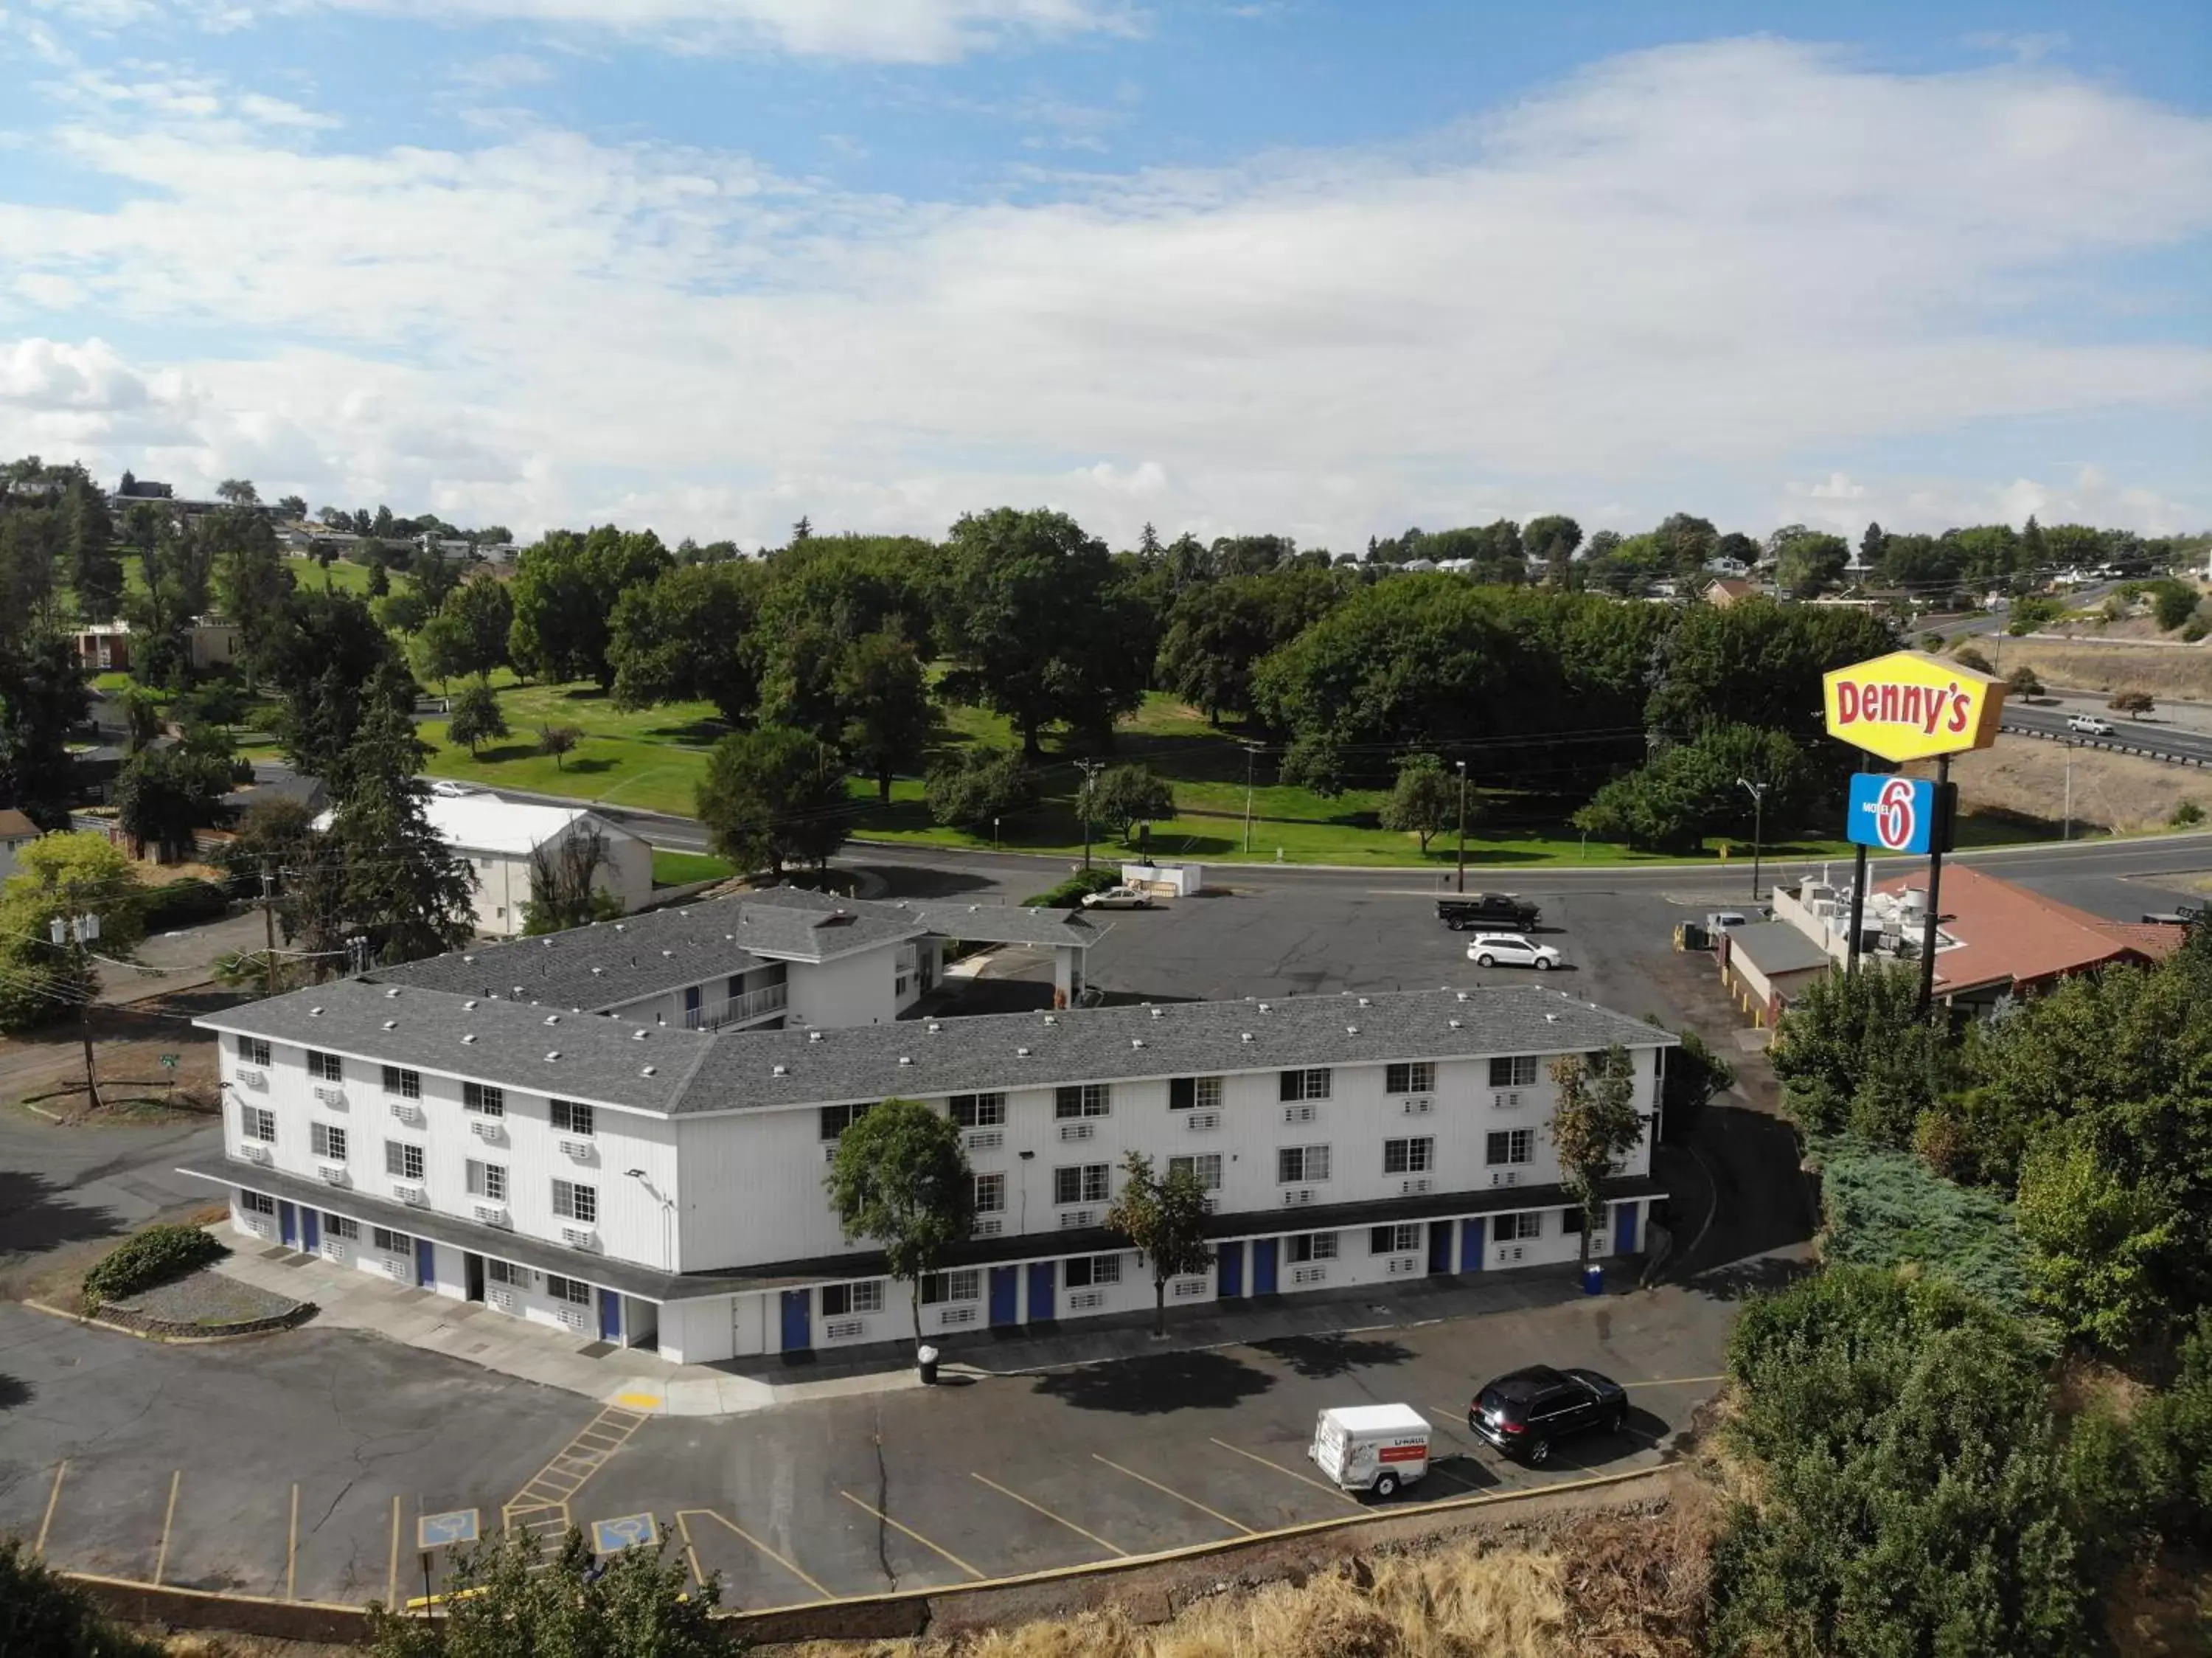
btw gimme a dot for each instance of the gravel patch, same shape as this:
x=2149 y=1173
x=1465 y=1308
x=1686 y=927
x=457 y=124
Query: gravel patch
x=206 y=1297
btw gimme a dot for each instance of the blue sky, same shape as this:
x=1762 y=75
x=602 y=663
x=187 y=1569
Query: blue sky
x=1326 y=269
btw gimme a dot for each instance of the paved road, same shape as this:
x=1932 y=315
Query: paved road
x=61 y=1187
x=2158 y=740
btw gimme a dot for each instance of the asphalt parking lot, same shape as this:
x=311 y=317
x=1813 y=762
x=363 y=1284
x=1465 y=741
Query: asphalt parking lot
x=301 y=1464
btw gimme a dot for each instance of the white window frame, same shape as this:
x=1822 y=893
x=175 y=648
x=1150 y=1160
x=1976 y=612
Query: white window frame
x=341 y=1226
x=394 y=1243
x=1519 y=1072
x=1414 y=1155
x=959 y=1284
x=574 y=1201
x=977 y=1110
x=1525 y=1225
x=487 y=1180
x=1094 y=1182
x=258 y=1124
x=485 y=1098
x=1311 y=1082
x=574 y=1291
x=569 y=1118
x=1091 y=1272
x=257 y=1203
x=1310 y=1166
x=990 y=1193
x=327 y=1141
x=1078 y=1099
x=1520 y=1147
x=403 y=1083
x=1308 y=1246
x=1410 y=1076
x=843 y=1116
x=326 y=1067
x=254 y=1051
x=399 y=1154
x=507 y=1272
x=1397 y=1238
x=846 y=1300
x=1205 y=1168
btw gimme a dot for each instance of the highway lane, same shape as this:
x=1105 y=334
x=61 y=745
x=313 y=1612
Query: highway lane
x=2159 y=742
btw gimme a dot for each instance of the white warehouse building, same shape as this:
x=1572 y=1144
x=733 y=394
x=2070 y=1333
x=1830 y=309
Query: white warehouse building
x=623 y=1128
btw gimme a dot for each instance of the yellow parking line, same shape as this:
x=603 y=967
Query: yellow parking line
x=1169 y=1490
x=1050 y=1515
x=1673 y=1381
x=292 y=1544
x=690 y=1553
x=790 y=1566
x=52 y=1497
x=1303 y=1479
x=392 y=1577
x=910 y=1532
x=168 y=1518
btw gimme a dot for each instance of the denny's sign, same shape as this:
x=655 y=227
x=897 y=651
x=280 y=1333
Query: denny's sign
x=1906 y=706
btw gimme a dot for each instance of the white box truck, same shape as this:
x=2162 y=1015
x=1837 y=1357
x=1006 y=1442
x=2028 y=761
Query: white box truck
x=1371 y=1447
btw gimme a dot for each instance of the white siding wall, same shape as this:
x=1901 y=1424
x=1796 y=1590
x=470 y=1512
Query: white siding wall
x=852 y=989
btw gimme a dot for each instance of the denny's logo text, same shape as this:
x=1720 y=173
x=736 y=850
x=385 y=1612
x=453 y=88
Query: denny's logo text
x=1907 y=706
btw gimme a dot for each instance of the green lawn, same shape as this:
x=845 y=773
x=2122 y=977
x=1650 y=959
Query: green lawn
x=681 y=868
x=344 y=576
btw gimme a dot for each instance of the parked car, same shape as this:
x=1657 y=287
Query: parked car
x=1118 y=898
x=1463 y=911
x=1512 y=950
x=1524 y=1412
x=2090 y=726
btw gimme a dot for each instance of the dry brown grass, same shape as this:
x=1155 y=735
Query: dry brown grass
x=2181 y=670
x=2121 y=792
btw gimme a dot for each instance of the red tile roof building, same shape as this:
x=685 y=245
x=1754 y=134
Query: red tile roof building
x=2009 y=939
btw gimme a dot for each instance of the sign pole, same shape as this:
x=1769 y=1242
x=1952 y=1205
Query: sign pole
x=1935 y=886
x=1858 y=905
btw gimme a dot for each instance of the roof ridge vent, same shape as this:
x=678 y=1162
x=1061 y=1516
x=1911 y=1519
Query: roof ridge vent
x=552 y=1055
x=392 y=1024
x=469 y=1036
x=552 y=1018
x=469 y=1003
x=392 y=992
x=317 y=1013
x=648 y=1070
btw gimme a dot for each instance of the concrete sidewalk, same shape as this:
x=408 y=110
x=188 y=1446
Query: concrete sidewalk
x=638 y=1380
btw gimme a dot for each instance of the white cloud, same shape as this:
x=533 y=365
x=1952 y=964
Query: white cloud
x=52 y=376
x=1715 y=261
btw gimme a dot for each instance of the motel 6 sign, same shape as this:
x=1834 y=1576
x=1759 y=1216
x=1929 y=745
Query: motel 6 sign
x=1894 y=814
x=1908 y=706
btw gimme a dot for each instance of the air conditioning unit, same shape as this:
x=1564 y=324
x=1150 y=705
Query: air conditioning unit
x=334 y=1097
x=1507 y=1102
x=1298 y=1114
x=333 y=1174
x=1078 y=1131
x=986 y=1139
x=484 y=1131
x=257 y=1225
x=410 y=1194
x=254 y=1153
x=399 y=1269
x=1418 y=1187
x=580 y=1237
x=1086 y=1300
x=1297 y=1196
x=844 y=1329
x=1202 y=1122
x=407 y=1111
x=1072 y=1218
x=991 y=1227
x=334 y=1248
x=1309 y=1275
x=1399 y=1265
x=579 y=1149
x=252 y=1079
x=492 y=1214
x=1508 y=1253
x=951 y=1316
x=1506 y=1177
x=502 y=1297
x=1420 y=1105
x=1184 y=1289
x=830 y=1152
x=1212 y=1205
x=572 y=1317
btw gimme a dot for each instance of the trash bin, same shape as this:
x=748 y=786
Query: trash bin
x=925 y=1361
x=1593 y=1279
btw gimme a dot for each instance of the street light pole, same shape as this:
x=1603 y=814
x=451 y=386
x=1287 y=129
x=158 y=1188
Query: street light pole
x=1463 y=823
x=1758 y=792
x=81 y=930
x=2066 y=828
x=1248 y=753
x=1090 y=769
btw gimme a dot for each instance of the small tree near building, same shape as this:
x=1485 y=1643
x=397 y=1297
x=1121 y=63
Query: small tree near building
x=1424 y=802
x=772 y=798
x=2022 y=682
x=1165 y=1220
x=901 y=1180
x=477 y=717
x=565 y=889
x=2132 y=702
x=1123 y=796
x=1595 y=1124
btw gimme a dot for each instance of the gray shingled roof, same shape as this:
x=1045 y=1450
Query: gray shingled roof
x=601 y=1058
x=613 y=962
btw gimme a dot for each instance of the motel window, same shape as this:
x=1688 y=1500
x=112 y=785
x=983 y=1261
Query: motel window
x=978 y=1110
x=1516 y=1145
x=1420 y=1077
x=1414 y=1156
x=1393 y=1240
x=326 y=1067
x=257 y=1203
x=403 y=1162
x=1297 y=1165
x=1084 y=1183
x=507 y=1272
x=254 y=1050
x=990 y=1194
x=1305 y=1084
x=1082 y=1099
x=402 y=1084
x=574 y=1291
x=1306 y=1246
x=341 y=1226
x=1513 y=1070
x=487 y=1181
x=1509 y=1229
x=1205 y=1168
x=1202 y=1092
x=843 y=1300
x=835 y=1120
x=256 y=1123
x=484 y=1099
x=964 y=1284
x=571 y=1202
x=326 y=1142
x=570 y=1118
x=1085 y=1270
x=393 y=1243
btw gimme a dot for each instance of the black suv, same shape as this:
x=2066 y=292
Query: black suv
x=1489 y=911
x=1522 y=1413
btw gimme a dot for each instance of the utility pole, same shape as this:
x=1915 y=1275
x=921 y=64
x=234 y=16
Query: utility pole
x=269 y=923
x=2066 y=828
x=1758 y=792
x=1463 y=823
x=1090 y=769
x=1936 y=846
x=1250 y=751
x=81 y=930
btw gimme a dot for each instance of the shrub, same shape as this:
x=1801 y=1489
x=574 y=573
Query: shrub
x=43 y=1613
x=2187 y=813
x=1968 y=656
x=2022 y=682
x=2198 y=629
x=2132 y=702
x=1884 y=1208
x=186 y=902
x=1931 y=642
x=153 y=1256
x=2174 y=603
x=973 y=789
x=1694 y=1075
x=1068 y=894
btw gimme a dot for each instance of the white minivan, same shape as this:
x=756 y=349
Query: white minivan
x=1371 y=1447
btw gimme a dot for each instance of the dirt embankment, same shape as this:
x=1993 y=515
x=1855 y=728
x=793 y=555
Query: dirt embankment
x=2025 y=779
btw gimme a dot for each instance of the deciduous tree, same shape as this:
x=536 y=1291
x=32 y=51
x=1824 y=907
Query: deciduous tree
x=1164 y=1220
x=772 y=798
x=1424 y=800
x=1595 y=1124
x=900 y=1179
x=973 y=789
x=477 y=717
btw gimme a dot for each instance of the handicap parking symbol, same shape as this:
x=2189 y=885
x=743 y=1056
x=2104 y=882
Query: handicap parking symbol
x=436 y=1530
x=624 y=1532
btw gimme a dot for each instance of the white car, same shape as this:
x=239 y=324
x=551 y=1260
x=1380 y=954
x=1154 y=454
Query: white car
x=1512 y=950
x=2090 y=726
x=1118 y=898
x=446 y=788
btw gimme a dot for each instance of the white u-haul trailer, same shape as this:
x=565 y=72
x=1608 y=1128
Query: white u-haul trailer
x=1371 y=1447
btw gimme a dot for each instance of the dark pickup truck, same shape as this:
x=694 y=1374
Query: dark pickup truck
x=1494 y=910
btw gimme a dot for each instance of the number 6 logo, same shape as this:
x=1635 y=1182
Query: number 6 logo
x=1893 y=813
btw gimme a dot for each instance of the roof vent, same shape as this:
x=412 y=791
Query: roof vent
x=1550 y=1019
x=935 y=1027
x=551 y=1057
x=1159 y=1012
x=517 y=992
x=1462 y=995
x=1021 y=1053
x=469 y=1036
x=905 y=1059
x=1051 y=1020
x=596 y=971
x=317 y=1013
x=552 y=1018
x=469 y=959
x=668 y=953
x=471 y=1004
x=814 y=1036
x=779 y=1070
x=391 y=993
x=1351 y=1030
x=1364 y=1002
x=1453 y=1023
x=647 y=1070
x=639 y=1034
x=622 y=927
x=392 y=1024
x=1264 y=1008
x=1247 y=1035
x=1136 y=1041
